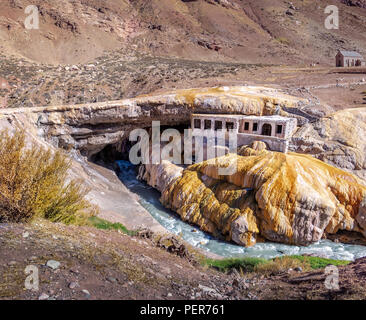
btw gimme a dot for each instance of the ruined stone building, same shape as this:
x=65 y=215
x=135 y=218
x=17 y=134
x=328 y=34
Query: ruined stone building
x=349 y=59
x=275 y=131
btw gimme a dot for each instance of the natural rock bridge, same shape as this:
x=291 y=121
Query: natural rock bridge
x=91 y=127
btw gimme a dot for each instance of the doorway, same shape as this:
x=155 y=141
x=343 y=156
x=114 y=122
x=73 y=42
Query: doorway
x=267 y=130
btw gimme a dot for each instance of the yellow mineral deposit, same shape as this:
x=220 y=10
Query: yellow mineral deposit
x=242 y=99
x=289 y=198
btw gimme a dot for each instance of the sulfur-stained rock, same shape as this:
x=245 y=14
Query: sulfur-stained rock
x=259 y=146
x=288 y=198
x=160 y=176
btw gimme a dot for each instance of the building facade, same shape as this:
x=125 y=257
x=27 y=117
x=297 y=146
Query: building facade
x=275 y=131
x=349 y=59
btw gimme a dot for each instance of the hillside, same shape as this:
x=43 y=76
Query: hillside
x=98 y=264
x=251 y=31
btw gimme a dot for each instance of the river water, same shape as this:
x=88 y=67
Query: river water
x=149 y=199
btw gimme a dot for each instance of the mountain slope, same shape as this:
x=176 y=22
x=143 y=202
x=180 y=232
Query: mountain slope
x=251 y=31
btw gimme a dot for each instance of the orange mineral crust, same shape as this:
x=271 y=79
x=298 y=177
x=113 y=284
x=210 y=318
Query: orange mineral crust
x=288 y=198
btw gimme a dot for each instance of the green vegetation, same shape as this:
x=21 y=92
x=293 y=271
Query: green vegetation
x=106 y=225
x=320 y=263
x=34 y=184
x=272 y=266
x=245 y=264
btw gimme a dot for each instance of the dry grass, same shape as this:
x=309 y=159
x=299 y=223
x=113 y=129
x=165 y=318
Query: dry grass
x=282 y=40
x=280 y=265
x=33 y=183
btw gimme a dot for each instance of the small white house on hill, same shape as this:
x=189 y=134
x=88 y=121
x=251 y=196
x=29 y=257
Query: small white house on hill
x=349 y=59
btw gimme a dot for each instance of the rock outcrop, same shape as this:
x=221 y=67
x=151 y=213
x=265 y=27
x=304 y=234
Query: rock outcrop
x=160 y=176
x=115 y=202
x=288 y=198
x=338 y=139
x=355 y=3
x=91 y=127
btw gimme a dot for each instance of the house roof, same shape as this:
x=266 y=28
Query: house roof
x=350 y=54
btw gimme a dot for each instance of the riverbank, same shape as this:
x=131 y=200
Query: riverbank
x=211 y=246
x=88 y=263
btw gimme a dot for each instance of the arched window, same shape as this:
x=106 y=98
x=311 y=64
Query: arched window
x=267 y=129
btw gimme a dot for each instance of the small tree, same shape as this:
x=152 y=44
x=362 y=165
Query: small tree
x=33 y=183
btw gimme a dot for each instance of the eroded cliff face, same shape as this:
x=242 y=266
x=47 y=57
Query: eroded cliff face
x=91 y=127
x=338 y=139
x=287 y=198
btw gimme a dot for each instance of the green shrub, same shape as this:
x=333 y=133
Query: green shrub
x=281 y=265
x=34 y=183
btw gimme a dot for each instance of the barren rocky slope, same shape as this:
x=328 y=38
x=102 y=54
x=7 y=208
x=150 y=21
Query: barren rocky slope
x=106 y=265
x=96 y=264
x=251 y=31
x=355 y=3
x=120 y=49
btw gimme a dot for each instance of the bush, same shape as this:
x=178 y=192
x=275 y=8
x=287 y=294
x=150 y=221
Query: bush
x=33 y=183
x=283 y=41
